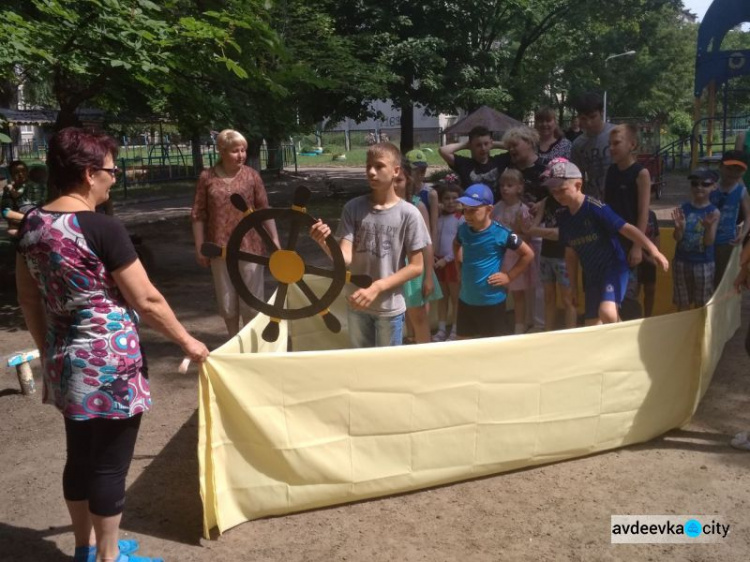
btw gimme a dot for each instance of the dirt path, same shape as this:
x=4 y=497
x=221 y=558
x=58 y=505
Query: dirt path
x=555 y=512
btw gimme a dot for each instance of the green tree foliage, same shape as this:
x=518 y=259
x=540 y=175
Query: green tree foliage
x=107 y=49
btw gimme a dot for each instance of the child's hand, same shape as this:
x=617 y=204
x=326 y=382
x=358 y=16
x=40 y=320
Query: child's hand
x=499 y=279
x=363 y=298
x=439 y=263
x=320 y=231
x=202 y=260
x=635 y=256
x=661 y=260
x=679 y=218
x=740 y=282
x=536 y=207
x=428 y=285
x=711 y=218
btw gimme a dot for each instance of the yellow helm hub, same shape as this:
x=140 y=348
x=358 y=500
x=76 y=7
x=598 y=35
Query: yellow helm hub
x=286 y=266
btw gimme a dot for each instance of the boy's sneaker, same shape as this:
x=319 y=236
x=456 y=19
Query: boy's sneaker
x=439 y=336
x=453 y=336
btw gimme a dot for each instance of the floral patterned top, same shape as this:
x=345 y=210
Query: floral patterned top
x=212 y=206
x=93 y=363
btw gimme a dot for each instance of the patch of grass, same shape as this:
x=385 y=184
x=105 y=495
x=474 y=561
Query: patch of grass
x=357 y=157
x=147 y=190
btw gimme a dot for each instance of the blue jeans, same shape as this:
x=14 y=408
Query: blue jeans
x=368 y=330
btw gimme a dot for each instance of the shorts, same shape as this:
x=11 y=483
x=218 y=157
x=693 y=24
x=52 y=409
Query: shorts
x=693 y=283
x=477 y=321
x=413 y=291
x=448 y=274
x=230 y=303
x=646 y=273
x=609 y=288
x=554 y=270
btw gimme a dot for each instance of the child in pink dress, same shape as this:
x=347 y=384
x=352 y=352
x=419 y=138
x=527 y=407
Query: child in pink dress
x=512 y=213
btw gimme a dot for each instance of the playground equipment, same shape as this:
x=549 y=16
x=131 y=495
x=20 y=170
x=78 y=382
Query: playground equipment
x=285 y=264
x=714 y=67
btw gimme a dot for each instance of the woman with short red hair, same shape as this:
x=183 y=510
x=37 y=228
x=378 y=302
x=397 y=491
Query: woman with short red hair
x=80 y=285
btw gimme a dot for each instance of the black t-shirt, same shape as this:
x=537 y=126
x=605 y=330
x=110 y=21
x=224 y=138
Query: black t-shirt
x=108 y=239
x=572 y=135
x=551 y=248
x=621 y=191
x=621 y=194
x=470 y=171
x=533 y=190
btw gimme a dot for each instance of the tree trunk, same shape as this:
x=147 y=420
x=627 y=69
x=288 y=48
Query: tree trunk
x=67 y=117
x=253 y=152
x=275 y=161
x=407 y=127
x=195 y=145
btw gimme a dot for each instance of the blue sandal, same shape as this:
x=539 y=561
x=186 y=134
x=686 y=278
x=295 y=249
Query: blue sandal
x=127 y=558
x=88 y=553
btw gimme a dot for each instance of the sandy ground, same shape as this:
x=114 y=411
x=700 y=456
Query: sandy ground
x=555 y=512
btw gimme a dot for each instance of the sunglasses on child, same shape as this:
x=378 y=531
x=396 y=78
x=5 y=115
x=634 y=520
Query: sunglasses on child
x=701 y=183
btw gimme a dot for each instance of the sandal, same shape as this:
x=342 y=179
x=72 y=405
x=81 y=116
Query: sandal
x=88 y=553
x=439 y=336
x=740 y=442
x=127 y=558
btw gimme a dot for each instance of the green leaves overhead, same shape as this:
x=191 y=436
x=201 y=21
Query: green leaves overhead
x=276 y=68
x=85 y=47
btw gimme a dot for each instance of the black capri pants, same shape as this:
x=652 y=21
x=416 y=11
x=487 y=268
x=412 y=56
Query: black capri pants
x=99 y=455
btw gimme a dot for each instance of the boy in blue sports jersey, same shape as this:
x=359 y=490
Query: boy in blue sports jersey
x=730 y=197
x=480 y=247
x=589 y=228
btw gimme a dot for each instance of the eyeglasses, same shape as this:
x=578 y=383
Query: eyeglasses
x=111 y=171
x=701 y=183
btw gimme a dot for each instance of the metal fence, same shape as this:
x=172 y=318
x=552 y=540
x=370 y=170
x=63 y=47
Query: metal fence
x=155 y=163
x=363 y=139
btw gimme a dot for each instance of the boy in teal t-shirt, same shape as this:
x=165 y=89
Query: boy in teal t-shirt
x=481 y=244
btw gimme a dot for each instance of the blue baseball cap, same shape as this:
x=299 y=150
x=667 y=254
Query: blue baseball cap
x=476 y=195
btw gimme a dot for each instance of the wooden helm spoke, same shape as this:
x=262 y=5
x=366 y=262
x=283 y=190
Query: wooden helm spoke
x=301 y=196
x=323 y=272
x=211 y=250
x=238 y=202
x=291 y=243
x=252 y=258
x=261 y=230
x=307 y=291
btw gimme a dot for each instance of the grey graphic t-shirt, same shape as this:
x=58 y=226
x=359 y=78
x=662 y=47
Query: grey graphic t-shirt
x=591 y=155
x=381 y=240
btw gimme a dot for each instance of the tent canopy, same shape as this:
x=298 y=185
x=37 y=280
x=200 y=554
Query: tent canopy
x=485 y=116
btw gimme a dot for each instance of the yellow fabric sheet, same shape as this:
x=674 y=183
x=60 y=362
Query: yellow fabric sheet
x=283 y=432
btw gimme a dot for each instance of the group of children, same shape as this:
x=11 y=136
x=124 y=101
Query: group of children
x=477 y=260
x=706 y=229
